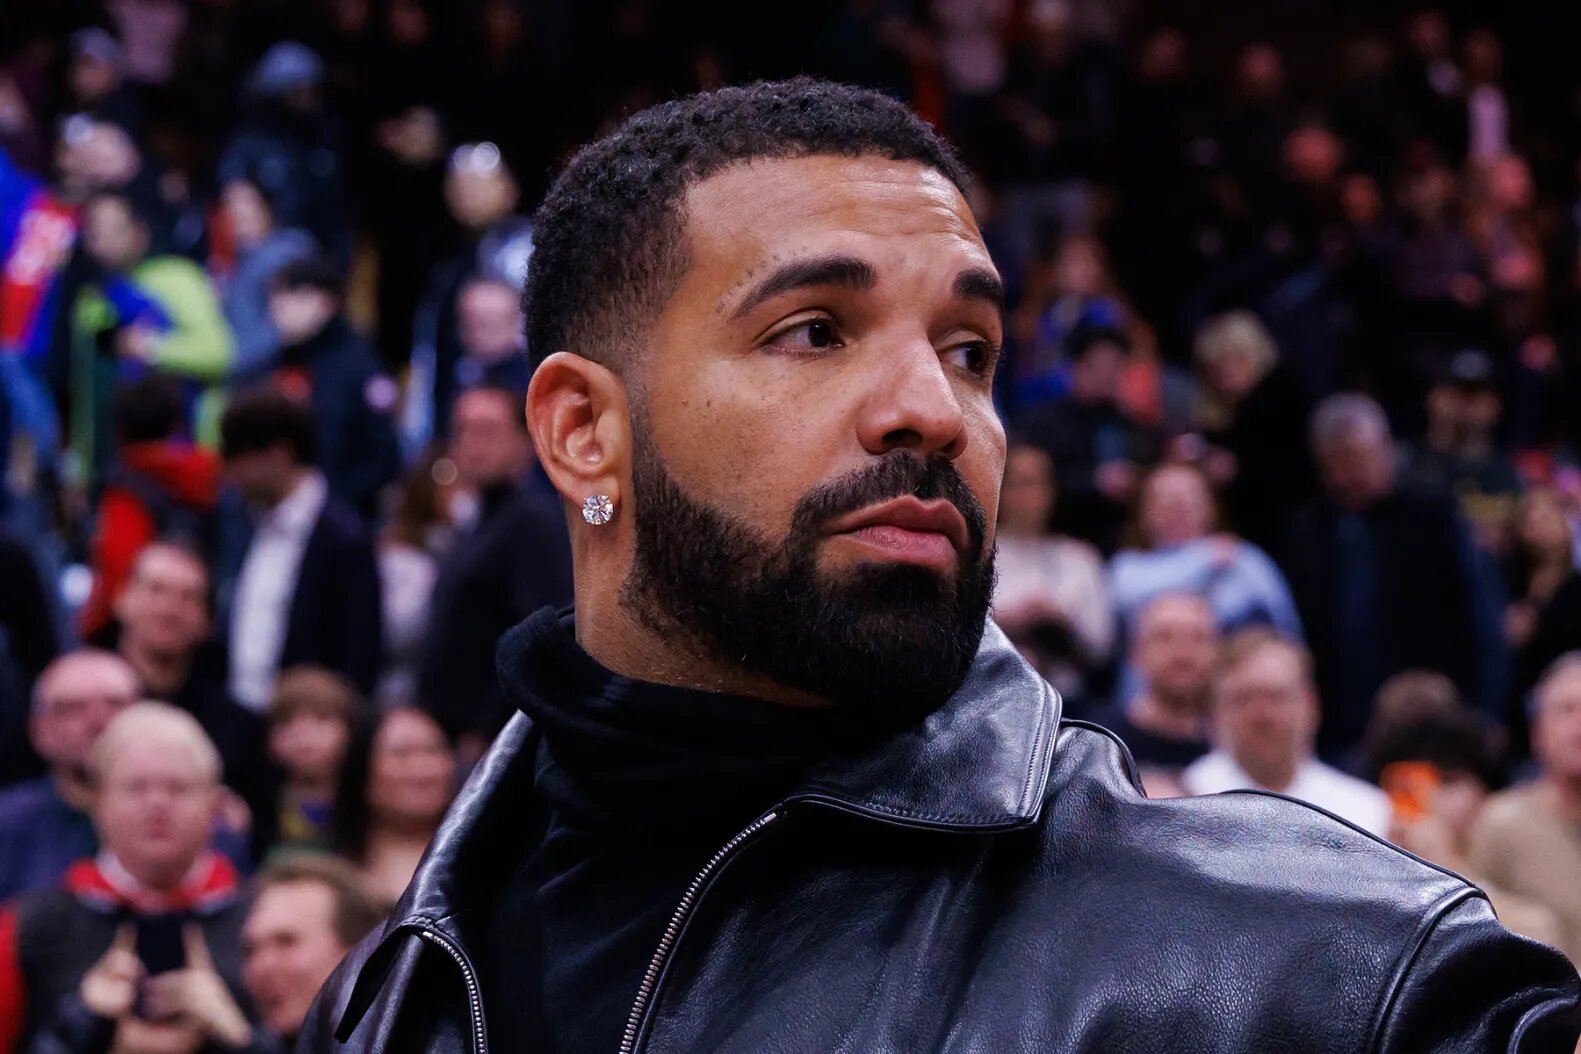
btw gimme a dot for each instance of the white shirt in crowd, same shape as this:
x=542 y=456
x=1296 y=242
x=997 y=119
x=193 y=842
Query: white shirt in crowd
x=261 y=607
x=1316 y=783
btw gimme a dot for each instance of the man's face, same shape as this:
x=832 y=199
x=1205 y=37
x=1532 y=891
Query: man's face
x=1175 y=639
x=247 y=211
x=478 y=199
x=1556 y=732
x=300 y=314
x=487 y=440
x=164 y=607
x=155 y=807
x=1096 y=376
x=816 y=452
x=1356 y=469
x=1265 y=711
x=290 y=950
x=262 y=476
x=113 y=237
x=78 y=697
x=489 y=320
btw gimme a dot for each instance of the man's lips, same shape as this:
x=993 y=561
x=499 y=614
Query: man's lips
x=909 y=529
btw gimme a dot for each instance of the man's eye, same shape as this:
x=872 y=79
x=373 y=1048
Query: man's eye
x=976 y=357
x=814 y=334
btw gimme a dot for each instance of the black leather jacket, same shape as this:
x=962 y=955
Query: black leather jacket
x=1012 y=890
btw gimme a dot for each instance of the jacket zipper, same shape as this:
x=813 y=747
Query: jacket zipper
x=683 y=911
x=480 y=1043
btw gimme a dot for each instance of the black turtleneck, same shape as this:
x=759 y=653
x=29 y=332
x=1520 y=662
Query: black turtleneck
x=636 y=786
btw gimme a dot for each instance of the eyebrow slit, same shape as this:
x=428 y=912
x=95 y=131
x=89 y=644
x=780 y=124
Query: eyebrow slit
x=848 y=271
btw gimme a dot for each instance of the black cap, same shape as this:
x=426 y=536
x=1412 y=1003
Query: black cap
x=1088 y=335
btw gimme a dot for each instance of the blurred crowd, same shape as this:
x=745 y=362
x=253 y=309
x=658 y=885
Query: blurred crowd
x=1292 y=498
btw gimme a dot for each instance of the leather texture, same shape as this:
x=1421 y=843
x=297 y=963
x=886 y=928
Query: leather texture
x=992 y=881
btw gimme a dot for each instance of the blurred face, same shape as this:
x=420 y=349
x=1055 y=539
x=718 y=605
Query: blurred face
x=1261 y=71
x=79 y=695
x=1265 y=712
x=290 y=949
x=814 y=443
x=413 y=772
x=263 y=477
x=1314 y=156
x=1543 y=525
x=1360 y=200
x=1176 y=507
x=92 y=79
x=1097 y=375
x=479 y=198
x=1079 y=269
x=248 y=213
x=309 y=745
x=489 y=317
x=164 y=608
x=1175 y=641
x=1357 y=469
x=155 y=808
x=1233 y=374
x=112 y=236
x=301 y=314
x=1027 y=501
x=1458 y=801
x=1556 y=730
x=487 y=441
x=1510 y=182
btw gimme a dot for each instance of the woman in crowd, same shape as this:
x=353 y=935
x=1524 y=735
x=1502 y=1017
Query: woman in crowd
x=395 y=785
x=1179 y=548
x=310 y=721
x=410 y=548
x=245 y=265
x=1543 y=620
x=1051 y=597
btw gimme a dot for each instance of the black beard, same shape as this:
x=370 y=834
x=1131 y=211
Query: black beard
x=894 y=641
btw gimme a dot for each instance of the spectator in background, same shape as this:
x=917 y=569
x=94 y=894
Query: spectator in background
x=1051 y=597
x=395 y=784
x=75 y=978
x=1181 y=550
x=1265 y=722
x=262 y=248
x=1385 y=578
x=1165 y=724
x=307 y=912
x=304 y=588
x=326 y=364
x=44 y=825
x=143 y=313
x=514 y=560
x=1528 y=839
x=1458 y=454
x=410 y=549
x=1543 y=620
x=28 y=643
x=95 y=86
x=481 y=194
x=160 y=485
x=1253 y=414
x=1438 y=762
x=162 y=629
x=311 y=718
x=1097 y=447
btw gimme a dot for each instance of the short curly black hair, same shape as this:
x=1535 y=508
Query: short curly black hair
x=608 y=242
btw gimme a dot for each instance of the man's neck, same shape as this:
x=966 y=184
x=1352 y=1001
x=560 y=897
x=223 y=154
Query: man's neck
x=163 y=673
x=73 y=788
x=1566 y=794
x=311 y=788
x=1172 y=719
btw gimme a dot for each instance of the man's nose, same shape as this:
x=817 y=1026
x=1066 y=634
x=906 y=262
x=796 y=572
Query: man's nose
x=912 y=406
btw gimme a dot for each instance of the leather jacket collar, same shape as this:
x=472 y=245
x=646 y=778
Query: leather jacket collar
x=979 y=763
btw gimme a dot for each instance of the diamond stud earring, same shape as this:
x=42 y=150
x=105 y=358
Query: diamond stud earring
x=597 y=509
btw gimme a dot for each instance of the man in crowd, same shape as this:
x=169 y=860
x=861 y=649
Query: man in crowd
x=1265 y=722
x=1459 y=452
x=307 y=912
x=1386 y=578
x=305 y=586
x=80 y=965
x=1528 y=839
x=162 y=630
x=160 y=485
x=44 y=825
x=144 y=313
x=778 y=741
x=1166 y=726
x=514 y=560
x=325 y=363
x=1098 y=449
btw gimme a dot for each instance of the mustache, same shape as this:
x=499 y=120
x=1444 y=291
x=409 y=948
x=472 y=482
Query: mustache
x=898 y=475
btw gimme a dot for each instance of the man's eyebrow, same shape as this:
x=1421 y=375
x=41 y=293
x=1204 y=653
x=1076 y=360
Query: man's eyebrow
x=979 y=283
x=848 y=271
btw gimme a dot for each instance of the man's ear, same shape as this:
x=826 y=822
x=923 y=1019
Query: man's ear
x=579 y=417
